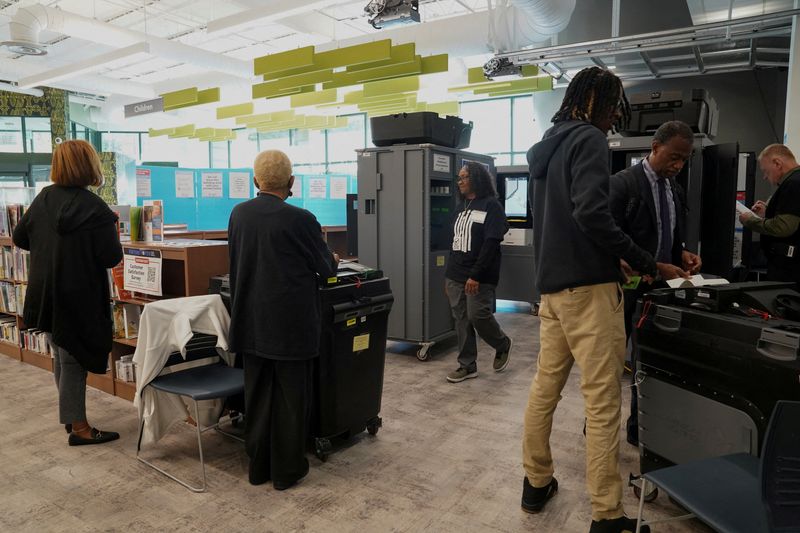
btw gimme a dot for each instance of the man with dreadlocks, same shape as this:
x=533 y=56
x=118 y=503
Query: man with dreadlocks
x=578 y=247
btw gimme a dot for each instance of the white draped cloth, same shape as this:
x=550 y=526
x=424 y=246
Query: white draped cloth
x=166 y=326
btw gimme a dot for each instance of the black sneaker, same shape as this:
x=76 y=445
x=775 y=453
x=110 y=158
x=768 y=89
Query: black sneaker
x=533 y=498
x=501 y=357
x=623 y=524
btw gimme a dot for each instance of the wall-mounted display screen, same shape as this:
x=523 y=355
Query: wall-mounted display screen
x=516 y=195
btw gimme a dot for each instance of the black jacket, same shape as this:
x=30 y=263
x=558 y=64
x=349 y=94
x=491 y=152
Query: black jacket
x=73 y=239
x=276 y=252
x=576 y=241
x=634 y=211
x=476 y=234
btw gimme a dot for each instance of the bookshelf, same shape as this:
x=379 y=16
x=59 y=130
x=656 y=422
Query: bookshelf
x=186 y=267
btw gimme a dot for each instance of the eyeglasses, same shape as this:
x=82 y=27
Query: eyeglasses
x=462 y=178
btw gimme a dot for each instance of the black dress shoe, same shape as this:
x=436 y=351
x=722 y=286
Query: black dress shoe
x=283 y=485
x=68 y=428
x=533 y=498
x=98 y=437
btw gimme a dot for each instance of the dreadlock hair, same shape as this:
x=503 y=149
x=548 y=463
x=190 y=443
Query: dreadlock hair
x=593 y=94
x=480 y=181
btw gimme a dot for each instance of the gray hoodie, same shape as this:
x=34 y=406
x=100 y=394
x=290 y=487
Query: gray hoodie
x=576 y=241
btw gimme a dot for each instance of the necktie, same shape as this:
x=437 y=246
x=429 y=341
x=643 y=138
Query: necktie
x=665 y=251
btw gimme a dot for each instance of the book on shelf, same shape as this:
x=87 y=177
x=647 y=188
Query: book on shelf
x=6 y=263
x=35 y=340
x=9 y=331
x=21 y=292
x=153 y=221
x=125 y=369
x=132 y=313
x=119 y=320
x=8 y=297
x=22 y=264
x=118 y=283
x=14 y=213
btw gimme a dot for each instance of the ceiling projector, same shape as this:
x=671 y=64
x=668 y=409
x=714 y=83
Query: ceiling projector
x=388 y=13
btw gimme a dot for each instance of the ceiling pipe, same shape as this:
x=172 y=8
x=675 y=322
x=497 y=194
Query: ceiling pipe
x=30 y=21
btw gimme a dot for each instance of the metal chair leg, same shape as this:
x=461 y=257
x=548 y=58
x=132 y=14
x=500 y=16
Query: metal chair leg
x=642 y=494
x=202 y=488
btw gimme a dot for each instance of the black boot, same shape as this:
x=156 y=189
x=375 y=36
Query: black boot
x=623 y=524
x=533 y=498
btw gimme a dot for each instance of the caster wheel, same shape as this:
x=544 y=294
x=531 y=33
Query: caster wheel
x=422 y=353
x=374 y=425
x=649 y=497
x=322 y=449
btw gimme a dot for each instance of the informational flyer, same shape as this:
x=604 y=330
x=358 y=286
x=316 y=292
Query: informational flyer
x=143 y=184
x=142 y=270
x=317 y=188
x=339 y=188
x=297 y=187
x=211 y=184
x=239 y=185
x=184 y=184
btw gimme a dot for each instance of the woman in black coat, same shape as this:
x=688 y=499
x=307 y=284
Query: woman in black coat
x=72 y=236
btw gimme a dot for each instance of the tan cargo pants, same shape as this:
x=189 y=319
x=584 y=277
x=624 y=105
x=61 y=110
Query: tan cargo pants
x=584 y=325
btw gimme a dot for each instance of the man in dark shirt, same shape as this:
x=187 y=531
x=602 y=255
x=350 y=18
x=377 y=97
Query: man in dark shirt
x=578 y=247
x=474 y=270
x=648 y=205
x=277 y=256
x=778 y=219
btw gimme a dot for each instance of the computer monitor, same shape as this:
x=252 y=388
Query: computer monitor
x=634 y=158
x=516 y=195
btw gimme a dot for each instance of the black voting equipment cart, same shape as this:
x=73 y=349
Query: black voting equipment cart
x=348 y=374
x=713 y=362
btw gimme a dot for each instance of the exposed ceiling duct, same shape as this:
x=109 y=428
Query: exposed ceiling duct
x=30 y=21
x=532 y=21
x=520 y=23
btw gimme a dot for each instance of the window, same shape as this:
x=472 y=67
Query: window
x=491 y=125
x=274 y=140
x=244 y=149
x=307 y=147
x=38 y=138
x=525 y=132
x=343 y=142
x=40 y=176
x=122 y=143
x=219 y=155
x=189 y=153
x=11 y=135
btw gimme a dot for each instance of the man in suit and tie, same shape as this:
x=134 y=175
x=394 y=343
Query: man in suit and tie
x=649 y=206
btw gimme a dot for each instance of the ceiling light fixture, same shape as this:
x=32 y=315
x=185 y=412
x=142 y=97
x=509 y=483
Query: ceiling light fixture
x=554 y=70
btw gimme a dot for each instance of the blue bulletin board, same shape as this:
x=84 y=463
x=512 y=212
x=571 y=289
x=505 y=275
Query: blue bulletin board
x=201 y=197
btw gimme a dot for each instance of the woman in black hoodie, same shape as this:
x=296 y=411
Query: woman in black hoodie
x=71 y=234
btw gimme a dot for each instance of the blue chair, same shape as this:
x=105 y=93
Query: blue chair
x=740 y=493
x=215 y=380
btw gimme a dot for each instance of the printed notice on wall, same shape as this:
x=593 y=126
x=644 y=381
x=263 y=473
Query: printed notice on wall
x=441 y=163
x=143 y=189
x=338 y=188
x=297 y=187
x=142 y=270
x=317 y=188
x=212 y=184
x=239 y=185
x=184 y=184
